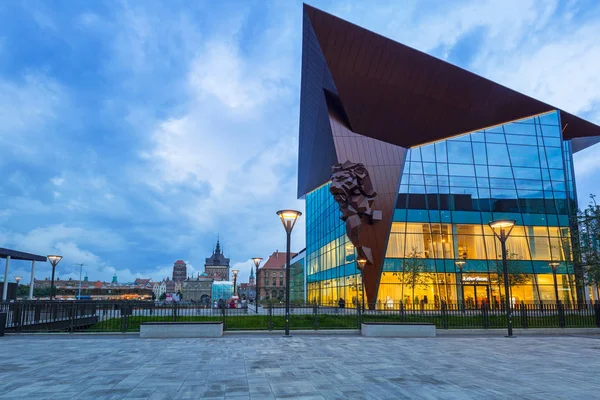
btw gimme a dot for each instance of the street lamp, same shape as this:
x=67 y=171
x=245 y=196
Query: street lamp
x=461 y=264
x=257 y=261
x=235 y=274
x=79 y=290
x=288 y=219
x=502 y=229
x=554 y=265
x=361 y=267
x=54 y=260
x=18 y=279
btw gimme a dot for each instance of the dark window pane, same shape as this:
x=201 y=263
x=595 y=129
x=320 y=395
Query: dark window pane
x=432 y=201
x=417 y=201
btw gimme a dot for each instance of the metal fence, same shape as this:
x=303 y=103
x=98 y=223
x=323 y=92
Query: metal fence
x=126 y=316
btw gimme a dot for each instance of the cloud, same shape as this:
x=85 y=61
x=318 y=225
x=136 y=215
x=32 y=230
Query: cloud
x=28 y=107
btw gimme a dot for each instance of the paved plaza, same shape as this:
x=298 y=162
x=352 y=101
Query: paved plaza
x=302 y=367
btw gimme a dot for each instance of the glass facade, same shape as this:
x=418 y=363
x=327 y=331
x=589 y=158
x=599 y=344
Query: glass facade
x=297 y=285
x=440 y=246
x=330 y=259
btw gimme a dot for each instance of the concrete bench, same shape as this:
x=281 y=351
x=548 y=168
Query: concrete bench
x=163 y=330
x=397 y=329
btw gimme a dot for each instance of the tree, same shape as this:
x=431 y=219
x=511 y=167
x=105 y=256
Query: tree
x=23 y=291
x=415 y=272
x=162 y=296
x=589 y=243
x=516 y=277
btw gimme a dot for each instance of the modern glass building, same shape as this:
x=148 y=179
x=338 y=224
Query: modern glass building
x=448 y=152
x=298 y=278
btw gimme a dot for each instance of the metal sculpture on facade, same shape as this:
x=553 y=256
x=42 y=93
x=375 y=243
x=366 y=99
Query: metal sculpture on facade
x=353 y=190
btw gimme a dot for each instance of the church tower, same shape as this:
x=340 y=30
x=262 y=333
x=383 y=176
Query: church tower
x=251 y=280
x=217 y=265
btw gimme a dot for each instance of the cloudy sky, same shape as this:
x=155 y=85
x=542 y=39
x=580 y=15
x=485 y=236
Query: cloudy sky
x=133 y=132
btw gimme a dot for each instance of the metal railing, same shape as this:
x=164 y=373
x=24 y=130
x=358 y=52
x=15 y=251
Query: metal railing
x=126 y=316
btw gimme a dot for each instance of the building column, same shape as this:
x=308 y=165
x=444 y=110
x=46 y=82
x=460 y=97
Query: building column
x=32 y=281
x=5 y=286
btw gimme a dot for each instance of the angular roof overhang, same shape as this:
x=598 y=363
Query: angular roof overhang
x=402 y=96
x=19 y=255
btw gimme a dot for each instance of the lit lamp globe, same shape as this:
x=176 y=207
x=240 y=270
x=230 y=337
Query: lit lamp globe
x=502 y=228
x=361 y=263
x=18 y=279
x=288 y=219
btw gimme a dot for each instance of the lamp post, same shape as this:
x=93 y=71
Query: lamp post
x=54 y=260
x=288 y=219
x=461 y=264
x=256 y=261
x=554 y=265
x=235 y=273
x=79 y=289
x=502 y=229
x=361 y=267
x=18 y=279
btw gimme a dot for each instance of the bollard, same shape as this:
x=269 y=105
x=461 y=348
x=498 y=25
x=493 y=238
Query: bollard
x=444 y=315
x=524 y=321
x=485 y=308
x=561 y=314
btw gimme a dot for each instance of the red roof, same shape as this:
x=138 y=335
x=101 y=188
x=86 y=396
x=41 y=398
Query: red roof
x=179 y=262
x=277 y=260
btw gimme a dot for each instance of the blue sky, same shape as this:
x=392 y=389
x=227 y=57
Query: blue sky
x=133 y=132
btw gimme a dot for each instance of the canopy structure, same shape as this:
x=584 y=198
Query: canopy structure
x=9 y=254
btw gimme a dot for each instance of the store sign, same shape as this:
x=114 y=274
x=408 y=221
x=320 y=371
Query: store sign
x=475 y=279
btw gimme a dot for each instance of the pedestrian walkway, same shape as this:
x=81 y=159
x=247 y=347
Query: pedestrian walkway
x=259 y=366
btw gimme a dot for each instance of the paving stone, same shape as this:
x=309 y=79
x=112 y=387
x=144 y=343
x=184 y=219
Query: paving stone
x=302 y=367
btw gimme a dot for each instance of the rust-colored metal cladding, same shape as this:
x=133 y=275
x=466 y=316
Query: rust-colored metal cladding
x=382 y=163
x=399 y=95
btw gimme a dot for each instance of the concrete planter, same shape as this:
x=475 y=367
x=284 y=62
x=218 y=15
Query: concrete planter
x=397 y=329
x=164 y=330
